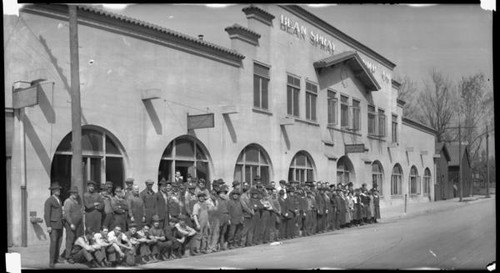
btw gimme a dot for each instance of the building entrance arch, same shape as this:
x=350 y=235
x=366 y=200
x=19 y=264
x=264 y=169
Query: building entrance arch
x=345 y=171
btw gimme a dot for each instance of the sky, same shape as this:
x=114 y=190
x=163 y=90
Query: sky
x=453 y=39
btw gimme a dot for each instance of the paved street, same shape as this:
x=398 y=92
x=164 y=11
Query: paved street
x=462 y=237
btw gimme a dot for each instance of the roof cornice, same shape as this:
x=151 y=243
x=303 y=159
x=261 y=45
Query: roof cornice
x=313 y=19
x=239 y=32
x=395 y=84
x=419 y=126
x=125 y=25
x=258 y=14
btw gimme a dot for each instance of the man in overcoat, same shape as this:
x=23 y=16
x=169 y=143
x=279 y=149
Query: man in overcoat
x=162 y=204
x=94 y=206
x=73 y=214
x=53 y=215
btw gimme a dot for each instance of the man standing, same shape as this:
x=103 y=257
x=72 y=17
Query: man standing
x=162 y=203
x=53 y=215
x=94 y=205
x=149 y=199
x=248 y=212
x=120 y=209
x=129 y=182
x=189 y=200
x=136 y=208
x=73 y=214
x=106 y=196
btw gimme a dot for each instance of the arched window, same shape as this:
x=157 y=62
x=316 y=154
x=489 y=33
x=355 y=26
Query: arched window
x=252 y=161
x=427 y=181
x=345 y=171
x=377 y=175
x=302 y=168
x=396 y=178
x=414 y=181
x=186 y=155
x=102 y=160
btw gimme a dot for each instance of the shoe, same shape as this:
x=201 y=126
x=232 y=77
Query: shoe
x=153 y=259
x=71 y=261
x=51 y=265
x=145 y=260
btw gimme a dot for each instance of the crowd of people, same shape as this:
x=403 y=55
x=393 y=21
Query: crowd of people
x=122 y=226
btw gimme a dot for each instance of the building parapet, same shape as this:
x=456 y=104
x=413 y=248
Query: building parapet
x=419 y=126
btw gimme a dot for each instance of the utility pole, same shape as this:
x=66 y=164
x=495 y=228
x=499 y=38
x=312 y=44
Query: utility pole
x=487 y=165
x=76 y=126
x=460 y=161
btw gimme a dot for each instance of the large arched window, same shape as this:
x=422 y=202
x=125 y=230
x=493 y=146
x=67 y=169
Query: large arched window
x=186 y=155
x=427 y=181
x=102 y=160
x=252 y=161
x=414 y=181
x=345 y=171
x=396 y=178
x=377 y=175
x=302 y=168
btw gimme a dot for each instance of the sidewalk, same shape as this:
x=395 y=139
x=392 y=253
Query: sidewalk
x=36 y=257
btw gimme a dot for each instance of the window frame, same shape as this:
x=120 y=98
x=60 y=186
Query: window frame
x=397 y=180
x=356 y=115
x=347 y=106
x=295 y=96
x=380 y=176
x=294 y=169
x=394 y=128
x=372 y=114
x=332 y=102
x=427 y=182
x=414 y=178
x=261 y=79
x=311 y=101
x=263 y=161
x=381 y=122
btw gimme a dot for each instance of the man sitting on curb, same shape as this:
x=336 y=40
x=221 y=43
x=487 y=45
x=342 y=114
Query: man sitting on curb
x=83 y=250
x=107 y=251
x=147 y=243
x=121 y=243
x=184 y=234
x=160 y=250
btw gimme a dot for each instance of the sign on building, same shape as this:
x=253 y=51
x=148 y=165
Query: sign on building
x=355 y=148
x=24 y=97
x=200 y=121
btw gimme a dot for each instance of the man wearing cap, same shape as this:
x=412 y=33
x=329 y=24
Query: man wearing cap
x=321 y=209
x=201 y=220
x=190 y=199
x=202 y=186
x=174 y=206
x=235 y=210
x=149 y=199
x=129 y=182
x=107 y=195
x=120 y=209
x=265 y=231
x=275 y=219
x=283 y=187
x=73 y=214
x=219 y=235
x=248 y=212
x=256 y=205
x=236 y=185
x=161 y=250
x=162 y=202
x=93 y=203
x=282 y=229
x=184 y=234
x=136 y=208
x=53 y=215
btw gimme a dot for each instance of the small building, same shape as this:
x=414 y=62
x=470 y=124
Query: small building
x=465 y=167
x=442 y=188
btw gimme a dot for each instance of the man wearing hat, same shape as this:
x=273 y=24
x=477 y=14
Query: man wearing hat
x=220 y=219
x=149 y=199
x=53 y=215
x=292 y=205
x=236 y=185
x=190 y=199
x=94 y=206
x=235 y=210
x=136 y=208
x=275 y=220
x=283 y=187
x=201 y=220
x=129 y=182
x=248 y=212
x=73 y=214
x=283 y=217
x=107 y=195
x=120 y=209
x=321 y=209
x=162 y=203
x=160 y=250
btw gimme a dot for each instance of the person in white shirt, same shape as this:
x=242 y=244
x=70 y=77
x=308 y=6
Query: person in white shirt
x=120 y=242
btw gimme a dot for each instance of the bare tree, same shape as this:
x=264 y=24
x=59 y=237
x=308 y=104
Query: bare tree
x=409 y=93
x=438 y=104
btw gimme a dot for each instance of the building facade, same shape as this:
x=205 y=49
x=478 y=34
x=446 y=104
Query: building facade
x=294 y=98
x=455 y=167
x=443 y=187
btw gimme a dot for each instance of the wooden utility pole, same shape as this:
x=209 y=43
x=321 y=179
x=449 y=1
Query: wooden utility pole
x=460 y=162
x=76 y=126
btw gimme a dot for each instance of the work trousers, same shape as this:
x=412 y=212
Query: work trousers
x=308 y=225
x=258 y=226
x=223 y=232
x=290 y=227
x=55 y=244
x=253 y=232
x=321 y=222
x=246 y=231
x=71 y=236
x=82 y=256
x=161 y=248
x=265 y=231
x=234 y=235
x=214 y=233
x=314 y=219
x=107 y=220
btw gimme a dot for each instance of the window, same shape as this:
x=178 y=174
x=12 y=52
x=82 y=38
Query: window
x=344 y=111
x=372 y=122
x=186 y=155
x=260 y=86
x=394 y=129
x=427 y=181
x=355 y=115
x=344 y=170
x=381 y=123
x=396 y=178
x=311 y=96
x=102 y=160
x=414 y=181
x=293 y=91
x=377 y=175
x=332 y=108
x=301 y=168
x=252 y=161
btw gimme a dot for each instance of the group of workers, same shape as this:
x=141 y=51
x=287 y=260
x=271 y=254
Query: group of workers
x=122 y=226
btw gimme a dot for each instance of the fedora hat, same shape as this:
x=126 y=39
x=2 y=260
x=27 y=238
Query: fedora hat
x=74 y=189
x=55 y=186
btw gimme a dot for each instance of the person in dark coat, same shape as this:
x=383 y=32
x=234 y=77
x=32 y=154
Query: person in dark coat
x=365 y=199
x=248 y=212
x=257 y=224
x=120 y=209
x=149 y=199
x=94 y=206
x=293 y=210
x=235 y=210
x=376 y=205
x=136 y=208
x=129 y=182
x=282 y=216
x=53 y=215
x=107 y=195
x=358 y=207
x=162 y=203
x=73 y=214
x=321 y=209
